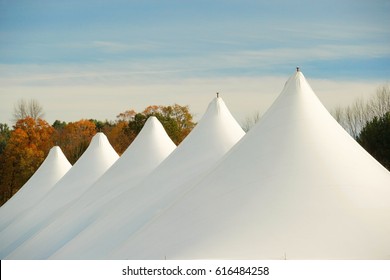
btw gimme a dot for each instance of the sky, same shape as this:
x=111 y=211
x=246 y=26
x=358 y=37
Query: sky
x=93 y=59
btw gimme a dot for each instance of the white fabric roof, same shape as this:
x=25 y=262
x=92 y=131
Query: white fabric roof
x=51 y=170
x=297 y=186
x=145 y=153
x=213 y=136
x=92 y=164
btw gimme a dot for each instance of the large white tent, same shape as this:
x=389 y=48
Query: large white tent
x=146 y=152
x=297 y=186
x=92 y=164
x=48 y=174
x=213 y=136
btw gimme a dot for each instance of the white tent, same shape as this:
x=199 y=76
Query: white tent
x=213 y=136
x=92 y=164
x=297 y=186
x=145 y=153
x=49 y=172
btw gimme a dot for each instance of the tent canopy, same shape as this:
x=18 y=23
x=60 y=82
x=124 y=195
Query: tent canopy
x=145 y=153
x=296 y=186
x=91 y=165
x=212 y=137
x=48 y=174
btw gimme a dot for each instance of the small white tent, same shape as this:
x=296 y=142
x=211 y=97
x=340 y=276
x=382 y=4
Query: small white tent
x=213 y=136
x=297 y=186
x=145 y=153
x=151 y=146
x=47 y=175
x=92 y=164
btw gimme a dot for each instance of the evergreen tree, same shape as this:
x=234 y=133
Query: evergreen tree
x=375 y=138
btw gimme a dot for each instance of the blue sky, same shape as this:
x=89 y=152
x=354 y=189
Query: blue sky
x=95 y=59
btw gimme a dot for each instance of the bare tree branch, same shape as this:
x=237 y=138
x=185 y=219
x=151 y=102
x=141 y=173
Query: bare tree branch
x=24 y=109
x=353 y=118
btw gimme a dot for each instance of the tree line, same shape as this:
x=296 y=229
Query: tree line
x=24 y=147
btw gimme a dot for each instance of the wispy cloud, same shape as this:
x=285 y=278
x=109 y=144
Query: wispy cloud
x=88 y=54
x=321 y=52
x=161 y=68
x=119 y=47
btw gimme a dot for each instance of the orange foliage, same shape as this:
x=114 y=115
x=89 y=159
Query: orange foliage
x=30 y=140
x=152 y=110
x=75 y=137
x=126 y=116
x=26 y=149
x=118 y=137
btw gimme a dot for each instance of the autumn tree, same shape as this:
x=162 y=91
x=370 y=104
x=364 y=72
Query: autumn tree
x=74 y=138
x=115 y=132
x=24 y=109
x=24 y=148
x=118 y=136
x=126 y=116
x=181 y=121
x=177 y=121
x=100 y=126
x=27 y=147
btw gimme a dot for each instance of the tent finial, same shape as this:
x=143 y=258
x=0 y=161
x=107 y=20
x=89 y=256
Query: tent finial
x=217 y=94
x=298 y=69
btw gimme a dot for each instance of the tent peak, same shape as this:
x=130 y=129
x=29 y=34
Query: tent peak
x=298 y=69
x=151 y=120
x=217 y=94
